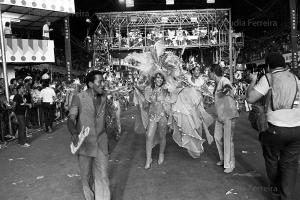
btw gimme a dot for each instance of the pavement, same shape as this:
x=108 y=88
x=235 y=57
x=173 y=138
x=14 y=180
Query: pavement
x=48 y=171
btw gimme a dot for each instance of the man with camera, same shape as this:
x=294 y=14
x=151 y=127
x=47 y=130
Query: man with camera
x=281 y=140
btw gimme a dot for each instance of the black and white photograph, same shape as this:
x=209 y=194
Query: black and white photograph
x=149 y=99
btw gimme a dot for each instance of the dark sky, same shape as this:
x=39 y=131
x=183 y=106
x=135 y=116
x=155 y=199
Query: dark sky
x=242 y=10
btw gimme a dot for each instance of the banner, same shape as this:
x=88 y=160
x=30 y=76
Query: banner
x=29 y=51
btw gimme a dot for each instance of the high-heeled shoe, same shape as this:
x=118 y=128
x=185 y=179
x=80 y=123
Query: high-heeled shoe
x=148 y=164
x=161 y=159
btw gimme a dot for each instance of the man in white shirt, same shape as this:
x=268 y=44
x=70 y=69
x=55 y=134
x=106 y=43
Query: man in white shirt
x=7 y=30
x=47 y=30
x=227 y=114
x=281 y=142
x=48 y=97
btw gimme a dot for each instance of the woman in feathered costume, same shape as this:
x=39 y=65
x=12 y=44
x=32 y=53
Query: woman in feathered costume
x=183 y=105
x=190 y=115
x=157 y=102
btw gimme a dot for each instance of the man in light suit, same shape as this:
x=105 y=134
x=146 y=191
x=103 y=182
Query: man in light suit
x=88 y=110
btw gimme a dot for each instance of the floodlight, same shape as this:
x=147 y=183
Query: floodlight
x=169 y=2
x=129 y=3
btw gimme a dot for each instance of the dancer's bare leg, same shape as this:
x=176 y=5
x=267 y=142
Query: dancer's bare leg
x=162 y=133
x=149 y=142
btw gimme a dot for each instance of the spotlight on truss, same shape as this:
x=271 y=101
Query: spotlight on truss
x=169 y=2
x=210 y=1
x=129 y=3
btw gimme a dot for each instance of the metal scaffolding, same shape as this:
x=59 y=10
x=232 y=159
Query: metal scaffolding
x=179 y=29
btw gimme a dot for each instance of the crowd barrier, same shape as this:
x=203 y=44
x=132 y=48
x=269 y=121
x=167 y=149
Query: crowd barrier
x=34 y=120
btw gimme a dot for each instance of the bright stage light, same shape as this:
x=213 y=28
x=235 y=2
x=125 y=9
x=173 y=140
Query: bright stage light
x=194 y=19
x=164 y=19
x=170 y=2
x=129 y=3
x=121 y=1
x=133 y=19
x=210 y=1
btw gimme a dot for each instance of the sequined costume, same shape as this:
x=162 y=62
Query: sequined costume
x=191 y=118
x=158 y=100
x=182 y=109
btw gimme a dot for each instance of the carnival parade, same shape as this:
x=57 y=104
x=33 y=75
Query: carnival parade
x=149 y=100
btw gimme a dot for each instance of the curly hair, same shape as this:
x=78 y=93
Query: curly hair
x=91 y=76
x=154 y=77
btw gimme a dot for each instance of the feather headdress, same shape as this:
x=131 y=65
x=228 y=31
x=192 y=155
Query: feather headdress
x=157 y=59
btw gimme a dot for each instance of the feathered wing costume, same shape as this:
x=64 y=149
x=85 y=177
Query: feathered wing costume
x=187 y=116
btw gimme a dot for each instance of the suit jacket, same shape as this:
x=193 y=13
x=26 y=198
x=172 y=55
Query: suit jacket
x=89 y=116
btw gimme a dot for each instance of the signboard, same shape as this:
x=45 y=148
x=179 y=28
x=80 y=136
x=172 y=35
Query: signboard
x=29 y=51
x=68 y=47
x=294 y=33
x=66 y=6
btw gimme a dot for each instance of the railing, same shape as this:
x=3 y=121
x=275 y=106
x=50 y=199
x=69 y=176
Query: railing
x=34 y=120
x=140 y=42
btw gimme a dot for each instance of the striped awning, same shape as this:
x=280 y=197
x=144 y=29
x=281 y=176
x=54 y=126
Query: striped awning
x=32 y=14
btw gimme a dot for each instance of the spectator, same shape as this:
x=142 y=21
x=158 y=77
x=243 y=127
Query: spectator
x=47 y=30
x=48 y=97
x=7 y=30
x=20 y=81
x=12 y=86
x=4 y=114
x=30 y=114
x=20 y=109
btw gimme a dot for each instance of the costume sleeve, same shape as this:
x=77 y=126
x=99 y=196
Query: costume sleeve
x=262 y=86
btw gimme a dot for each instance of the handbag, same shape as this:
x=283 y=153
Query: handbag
x=258 y=114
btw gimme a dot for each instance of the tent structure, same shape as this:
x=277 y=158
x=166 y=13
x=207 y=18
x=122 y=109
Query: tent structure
x=32 y=14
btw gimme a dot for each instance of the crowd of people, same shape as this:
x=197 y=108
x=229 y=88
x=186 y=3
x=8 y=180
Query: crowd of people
x=26 y=108
x=256 y=49
x=39 y=99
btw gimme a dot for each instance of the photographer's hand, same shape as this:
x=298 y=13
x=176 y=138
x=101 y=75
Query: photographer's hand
x=253 y=77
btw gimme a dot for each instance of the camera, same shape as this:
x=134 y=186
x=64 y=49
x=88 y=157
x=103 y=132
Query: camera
x=253 y=67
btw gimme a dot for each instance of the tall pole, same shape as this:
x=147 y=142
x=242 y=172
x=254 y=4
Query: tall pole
x=68 y=47
x=3 y=52
x=293 y=14
x=230 y=48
